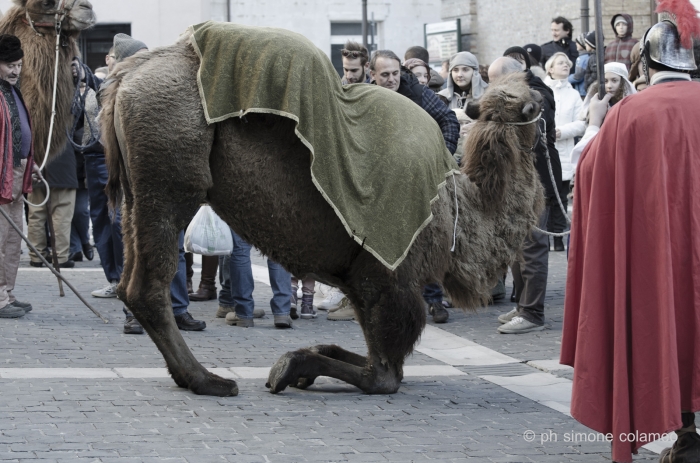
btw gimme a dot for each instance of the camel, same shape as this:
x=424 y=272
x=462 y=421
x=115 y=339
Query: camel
x=33 y=22
x=173 y=162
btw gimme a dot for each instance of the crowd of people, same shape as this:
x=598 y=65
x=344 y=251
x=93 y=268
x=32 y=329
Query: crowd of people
x=560 y=70
x=635 y=210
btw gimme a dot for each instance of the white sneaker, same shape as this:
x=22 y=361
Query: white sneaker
x=519 y=325
x=320 y=293
x=332 y=301
x=108 y=291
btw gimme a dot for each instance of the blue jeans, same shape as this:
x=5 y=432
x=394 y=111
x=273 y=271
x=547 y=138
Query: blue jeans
x=237 y=284
x=80 y=226
x=107 y=233
x=178 y=287
x=432 y=293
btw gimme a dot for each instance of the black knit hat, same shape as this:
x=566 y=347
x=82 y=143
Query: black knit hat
x=521 y=51
x=590 y=39
x=535 y=50
x=10 y=48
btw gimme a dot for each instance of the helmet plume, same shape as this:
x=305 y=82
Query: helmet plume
x=685 y=17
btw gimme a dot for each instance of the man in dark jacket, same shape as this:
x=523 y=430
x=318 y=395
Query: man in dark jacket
x=620 y=49
x=386 y=71
x=530 y=271
x=562 y=31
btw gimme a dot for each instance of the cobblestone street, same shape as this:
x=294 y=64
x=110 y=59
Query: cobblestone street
x=76 y=389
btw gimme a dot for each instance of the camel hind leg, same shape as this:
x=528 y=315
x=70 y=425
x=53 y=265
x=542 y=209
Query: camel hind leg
x=392 y=319
x=167 y=143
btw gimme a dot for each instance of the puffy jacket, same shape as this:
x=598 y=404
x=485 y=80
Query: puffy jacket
x=620 y=49
x=578 y=78
x=568 y=107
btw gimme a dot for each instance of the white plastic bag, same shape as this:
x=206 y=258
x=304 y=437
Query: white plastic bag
x=208 y=235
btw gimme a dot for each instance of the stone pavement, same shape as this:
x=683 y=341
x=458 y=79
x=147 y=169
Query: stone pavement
x=456 y=417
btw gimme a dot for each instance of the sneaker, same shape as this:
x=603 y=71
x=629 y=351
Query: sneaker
x=320 y=293
x=10 y=311
x=332 y=301
x=108 y=291
x=131 y=325
x=439 y=312
x=506 y=317
x=283 y=321
x=519 y=325
x=186 y=322
x=345 y=312
x=307 y=307
x=233 y=320
x=26 y=306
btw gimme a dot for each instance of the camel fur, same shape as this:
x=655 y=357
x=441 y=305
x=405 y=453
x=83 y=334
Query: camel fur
x=39 y=63
x=255 y=173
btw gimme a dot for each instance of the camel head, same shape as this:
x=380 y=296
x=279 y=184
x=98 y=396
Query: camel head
x=497 y=145
x=78 y=14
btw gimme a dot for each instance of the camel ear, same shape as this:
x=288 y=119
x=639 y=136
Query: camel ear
x=530 y=110
x=473 y=110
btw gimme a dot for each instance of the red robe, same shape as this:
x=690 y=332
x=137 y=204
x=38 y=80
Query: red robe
x=632 y=309
x=6 y=159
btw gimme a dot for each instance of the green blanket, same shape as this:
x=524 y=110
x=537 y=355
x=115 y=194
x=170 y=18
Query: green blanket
x=376 y=157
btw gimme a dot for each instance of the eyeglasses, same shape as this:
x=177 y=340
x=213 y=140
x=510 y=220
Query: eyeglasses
x=352 y=54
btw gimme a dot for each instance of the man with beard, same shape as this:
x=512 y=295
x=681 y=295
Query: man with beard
x=355 y=58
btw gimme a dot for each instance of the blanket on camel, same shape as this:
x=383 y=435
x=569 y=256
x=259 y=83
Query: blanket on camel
x=376 y=157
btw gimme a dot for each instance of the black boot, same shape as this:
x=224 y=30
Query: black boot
x=439 y=312
x=185 y=322
x=131 y=325
x=687 y=448
x=558 y=243
x=207 y=285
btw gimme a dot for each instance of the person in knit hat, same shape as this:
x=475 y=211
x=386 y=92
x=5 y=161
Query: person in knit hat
x=125 y=46
x=620 y=49
x=591 y=74
x=464 y=83
x=535 y=52
x=16 y=165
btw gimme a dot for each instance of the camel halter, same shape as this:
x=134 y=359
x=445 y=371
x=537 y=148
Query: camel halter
x=60 y=15
x=543 y=140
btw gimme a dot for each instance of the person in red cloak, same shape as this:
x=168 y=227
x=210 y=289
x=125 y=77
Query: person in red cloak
x=632 y=308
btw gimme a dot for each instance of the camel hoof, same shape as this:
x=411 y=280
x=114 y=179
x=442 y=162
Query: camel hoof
x=214 y=385
x=283 y=373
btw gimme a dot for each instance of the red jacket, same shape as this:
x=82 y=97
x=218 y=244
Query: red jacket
x=632 y=308
x=6 y=159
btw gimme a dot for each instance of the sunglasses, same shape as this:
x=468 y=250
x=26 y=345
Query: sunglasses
x=352 y=54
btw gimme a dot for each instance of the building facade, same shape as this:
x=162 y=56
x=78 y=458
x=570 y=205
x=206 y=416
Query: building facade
x=327 y=23
x=490 y=27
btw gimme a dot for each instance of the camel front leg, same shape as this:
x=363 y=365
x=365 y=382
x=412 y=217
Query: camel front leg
x=293 y=367
x=395 y=310
x=334 y=352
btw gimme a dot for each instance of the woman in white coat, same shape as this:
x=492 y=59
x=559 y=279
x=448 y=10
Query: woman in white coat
x=569 y=126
